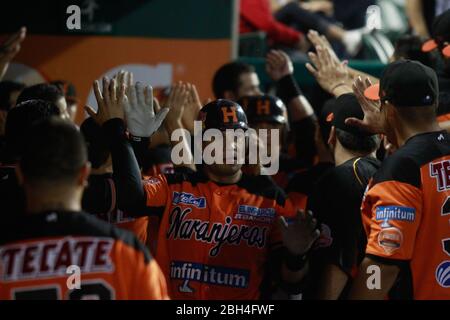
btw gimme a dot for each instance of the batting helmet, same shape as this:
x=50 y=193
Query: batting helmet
x=223 y=114
x=264 y=108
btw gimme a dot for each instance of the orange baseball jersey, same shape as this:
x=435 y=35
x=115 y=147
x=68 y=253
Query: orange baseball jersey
x=406 y=215
x=214 y=239
x=37 y=254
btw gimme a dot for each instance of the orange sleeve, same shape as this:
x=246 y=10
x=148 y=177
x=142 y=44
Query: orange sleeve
x=391 y=214
x=156 y=190
x=151 y=284
x=144 y=278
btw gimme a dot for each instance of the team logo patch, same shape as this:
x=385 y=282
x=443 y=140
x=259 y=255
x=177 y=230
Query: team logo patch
x=255 y=214
x=215 y=275
x=390 y=239
x=443 y=274
x=395 y=213
x=188 y=198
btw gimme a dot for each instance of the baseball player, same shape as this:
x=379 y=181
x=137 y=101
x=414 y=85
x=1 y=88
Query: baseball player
x=405 y=211
x=336 y=201
x=38 y=254
x=218 y=226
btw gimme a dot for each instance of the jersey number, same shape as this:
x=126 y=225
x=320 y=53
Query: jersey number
x=88 y=291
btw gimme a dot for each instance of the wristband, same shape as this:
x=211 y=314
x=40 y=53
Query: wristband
x=138 y=139
x=288 y=89
x=294 y=262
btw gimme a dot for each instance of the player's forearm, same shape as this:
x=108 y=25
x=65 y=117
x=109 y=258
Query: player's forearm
x=293 y=267
x=332 y=282
x=290 y=276
x=290 y=93
x=130 y=191
x=300 y=108
x=414 y=11
x=140 y=146
x=364 y=288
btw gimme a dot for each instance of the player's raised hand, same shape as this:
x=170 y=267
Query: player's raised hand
x=300 y=234
x=191 y=108
x=278 y=65
x=318 y=40
x=10 y=48
x=176 y=104
x=331 y=75
x=110 y=101
x=123 y=78
x=142 y=120
x=373 y=121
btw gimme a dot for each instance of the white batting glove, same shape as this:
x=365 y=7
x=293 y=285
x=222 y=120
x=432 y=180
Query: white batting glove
x=139 y=111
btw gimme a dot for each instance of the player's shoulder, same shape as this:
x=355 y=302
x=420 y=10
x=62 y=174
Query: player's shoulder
x=405 y=164
x=263 y=185
x=100 y=228
x=59 y=224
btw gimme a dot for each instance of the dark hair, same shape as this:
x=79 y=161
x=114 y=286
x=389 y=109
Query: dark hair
x=68 y=89
x=6 y=88
x=358 y=143
x=55 y=152
x=418 y=115
x=410 y=47
x=96 y=143
x=20 y=121
x=42 y=91
x=228 y=77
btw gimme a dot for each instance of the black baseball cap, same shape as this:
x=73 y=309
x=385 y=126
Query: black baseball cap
x=344 y=107
x=264 y=108
x=223 y=114
x=406 y=83
x=440 y=35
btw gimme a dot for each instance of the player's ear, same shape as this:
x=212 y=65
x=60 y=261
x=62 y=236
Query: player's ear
x=391 y=114
x=332 y=137
x=19 y=175
x=83 y=176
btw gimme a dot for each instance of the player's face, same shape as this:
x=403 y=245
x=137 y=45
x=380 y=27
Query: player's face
x=269 y=127
x=224 y=170
x=229 y=165
x=249 y=85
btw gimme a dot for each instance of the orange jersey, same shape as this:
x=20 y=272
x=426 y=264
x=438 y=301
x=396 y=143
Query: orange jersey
x=406 y=215
x=37 y=256
x=214 y=239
